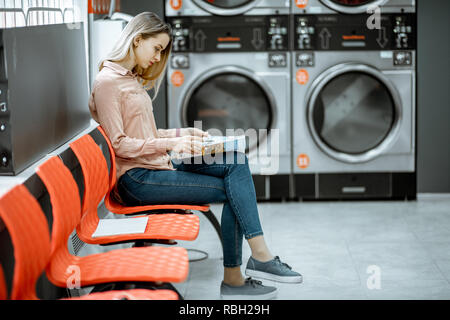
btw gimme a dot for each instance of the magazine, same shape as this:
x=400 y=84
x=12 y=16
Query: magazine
x=217 y=144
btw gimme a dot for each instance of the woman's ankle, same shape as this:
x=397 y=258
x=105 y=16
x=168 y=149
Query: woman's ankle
x=233 y=276
x=234 y=283
x=259 y=249
x=262 y=257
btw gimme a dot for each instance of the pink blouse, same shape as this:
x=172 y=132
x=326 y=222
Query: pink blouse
x=123 y=108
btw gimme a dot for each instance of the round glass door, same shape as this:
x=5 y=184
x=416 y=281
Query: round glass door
x=352 y=6
x=353 y=2
x=226 y=7
x=229 y=101
x=352 y=115
x=228 y=4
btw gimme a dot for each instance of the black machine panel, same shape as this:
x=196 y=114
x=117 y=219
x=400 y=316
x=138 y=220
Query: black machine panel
x=356 y=186
x=230 y=34
x=355 y=32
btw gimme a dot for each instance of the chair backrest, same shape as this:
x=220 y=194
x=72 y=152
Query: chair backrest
x=96 y=178
x=30 y=236
x=66 y=211
x=65 y=200
x=113 y=172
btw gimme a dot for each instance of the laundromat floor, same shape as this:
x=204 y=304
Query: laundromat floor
x=344 y=250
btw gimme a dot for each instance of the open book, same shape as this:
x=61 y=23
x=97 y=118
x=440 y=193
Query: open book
x=217 y=144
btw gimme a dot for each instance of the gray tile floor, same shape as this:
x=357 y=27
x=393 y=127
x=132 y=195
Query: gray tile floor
x=344 y=250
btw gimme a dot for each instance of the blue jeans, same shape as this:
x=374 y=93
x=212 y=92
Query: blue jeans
x=223 y=181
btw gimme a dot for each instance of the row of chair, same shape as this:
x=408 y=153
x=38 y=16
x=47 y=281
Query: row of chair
x=37 y=249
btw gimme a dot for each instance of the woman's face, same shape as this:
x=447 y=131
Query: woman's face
x=148 y=51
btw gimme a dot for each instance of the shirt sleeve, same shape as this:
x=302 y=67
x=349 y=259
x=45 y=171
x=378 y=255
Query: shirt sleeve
x=167 y=133
x=107 y=100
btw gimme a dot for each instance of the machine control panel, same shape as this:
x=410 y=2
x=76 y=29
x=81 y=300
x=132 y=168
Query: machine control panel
x=230 y=34
x=179 y=61
x=354 y=32
x=277 y=60
x=402 y=31
x=403 y=58
x=180 y=35
x=277 y=34
x=304 y=59
x=304 y=33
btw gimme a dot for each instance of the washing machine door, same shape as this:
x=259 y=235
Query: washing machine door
x=230 y=98
x=226 y=7
x=354 y=112
x=352 y=6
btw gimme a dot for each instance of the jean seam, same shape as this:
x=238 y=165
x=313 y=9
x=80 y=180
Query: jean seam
x=235 y=209
x=254 y=234
x=231 y=265
x=236 y=241
x=209 y=167
x=175 y=185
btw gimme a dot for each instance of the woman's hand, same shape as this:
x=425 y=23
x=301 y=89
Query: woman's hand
x=193 y=132
x=187 y=144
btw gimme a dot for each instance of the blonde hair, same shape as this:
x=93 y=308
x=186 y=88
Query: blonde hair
x=145 y=24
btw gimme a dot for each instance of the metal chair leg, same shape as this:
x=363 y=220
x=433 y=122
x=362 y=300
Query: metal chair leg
x=212 y=218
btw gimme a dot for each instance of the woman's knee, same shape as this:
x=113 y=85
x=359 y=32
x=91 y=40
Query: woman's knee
x=236 y=158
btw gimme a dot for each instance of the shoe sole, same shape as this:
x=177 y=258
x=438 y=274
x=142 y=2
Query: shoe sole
x=267 y=296
x=273 y=277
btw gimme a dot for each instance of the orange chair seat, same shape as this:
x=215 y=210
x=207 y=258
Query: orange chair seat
x=155 y=264
x=114 y=206
x=135 y=294
x=161 y=226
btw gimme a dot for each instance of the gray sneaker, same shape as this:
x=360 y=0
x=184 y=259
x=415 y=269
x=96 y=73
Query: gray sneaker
x=250 y=290
x=274 y=270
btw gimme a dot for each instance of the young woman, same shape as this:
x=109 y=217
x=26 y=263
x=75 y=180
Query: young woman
x=146 y=174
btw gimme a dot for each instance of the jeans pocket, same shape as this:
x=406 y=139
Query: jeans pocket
x=137 y=174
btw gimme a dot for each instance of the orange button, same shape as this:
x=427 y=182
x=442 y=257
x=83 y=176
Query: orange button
x=176 y=4
x=303 y=161
x=302 y=76
x=301 y=3
x=177 y=78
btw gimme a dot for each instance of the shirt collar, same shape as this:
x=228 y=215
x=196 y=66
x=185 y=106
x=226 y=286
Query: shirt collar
x=118 y=68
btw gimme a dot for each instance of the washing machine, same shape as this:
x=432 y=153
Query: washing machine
x=354 y=107
x=226 y=7
x=233 y=74
x=351 y=6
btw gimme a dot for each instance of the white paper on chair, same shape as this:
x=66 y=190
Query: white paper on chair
x=112 y=227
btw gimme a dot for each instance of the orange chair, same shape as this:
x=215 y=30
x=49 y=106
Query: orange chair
x=133 y=264
x=96 y=184
x=114 y=206
x=3 y=289
x=28 y=229
x=134 y=294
